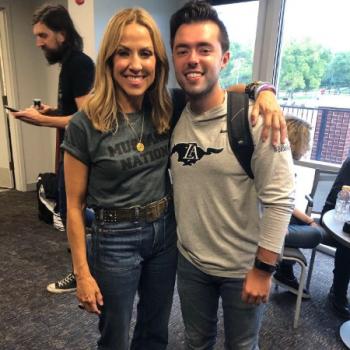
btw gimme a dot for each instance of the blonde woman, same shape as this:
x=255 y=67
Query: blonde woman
x=299 y=136
x=116 y=157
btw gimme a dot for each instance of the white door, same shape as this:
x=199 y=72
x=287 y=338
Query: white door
x=6 y=164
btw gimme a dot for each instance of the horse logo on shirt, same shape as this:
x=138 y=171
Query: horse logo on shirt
x=190 y=153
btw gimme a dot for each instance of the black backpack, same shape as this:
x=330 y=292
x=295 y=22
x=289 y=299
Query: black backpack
x=47 y=196
x=239 y=135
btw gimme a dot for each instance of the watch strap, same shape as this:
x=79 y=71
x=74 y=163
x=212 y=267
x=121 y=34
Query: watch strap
x=253 y=89
x=250 y=89
x=260 y=265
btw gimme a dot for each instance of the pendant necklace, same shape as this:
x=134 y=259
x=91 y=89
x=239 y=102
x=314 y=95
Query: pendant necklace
x=140 y=147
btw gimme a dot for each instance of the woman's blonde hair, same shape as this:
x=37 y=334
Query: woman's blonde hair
x=102 y=107
x=298 y=135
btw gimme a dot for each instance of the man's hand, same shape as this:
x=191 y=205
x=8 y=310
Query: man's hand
x=267 y=105
x=45 y=108
x=30 y=115
x=89 y=294
x=256 y=287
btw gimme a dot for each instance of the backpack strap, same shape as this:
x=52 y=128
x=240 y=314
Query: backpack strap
x=238 y=130
x=179 y=102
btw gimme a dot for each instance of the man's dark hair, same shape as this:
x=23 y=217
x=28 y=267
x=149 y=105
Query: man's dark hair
x=57 y=18
x=198 y=11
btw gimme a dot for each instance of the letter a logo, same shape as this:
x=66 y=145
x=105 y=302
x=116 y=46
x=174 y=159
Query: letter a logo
x=191 y=152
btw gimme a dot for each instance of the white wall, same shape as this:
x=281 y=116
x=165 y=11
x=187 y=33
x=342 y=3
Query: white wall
x=83 y=18
x=6 y=176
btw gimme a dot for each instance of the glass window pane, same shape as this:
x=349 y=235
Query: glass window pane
x=314 y=75
x=240 y=20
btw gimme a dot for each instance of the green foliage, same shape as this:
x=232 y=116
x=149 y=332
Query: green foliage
x=239 y=68
x=303 y=66
x=337 y=74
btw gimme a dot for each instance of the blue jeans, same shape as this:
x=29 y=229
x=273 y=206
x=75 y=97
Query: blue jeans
x=300 y=235
x=129 y=257
x=199 y=295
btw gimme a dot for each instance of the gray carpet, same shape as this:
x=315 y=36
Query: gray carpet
x=32 y=254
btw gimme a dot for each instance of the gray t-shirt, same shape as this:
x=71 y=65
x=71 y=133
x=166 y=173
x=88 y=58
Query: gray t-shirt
x=119 y=175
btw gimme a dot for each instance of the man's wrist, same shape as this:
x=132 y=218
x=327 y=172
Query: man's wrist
x=253 y=89
x=262 y=266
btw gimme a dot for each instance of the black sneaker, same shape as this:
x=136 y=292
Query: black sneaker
x=289 y=283
x=65 y=285
x=340 y=306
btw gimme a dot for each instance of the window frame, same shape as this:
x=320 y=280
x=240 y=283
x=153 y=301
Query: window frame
x=268 y=37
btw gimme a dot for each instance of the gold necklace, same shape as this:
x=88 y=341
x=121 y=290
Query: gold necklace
x=140 y=147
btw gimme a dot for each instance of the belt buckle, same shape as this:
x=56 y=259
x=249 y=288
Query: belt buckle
x=154 y=211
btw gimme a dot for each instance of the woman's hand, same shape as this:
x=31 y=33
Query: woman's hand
x=267 y=106
x=89 y=295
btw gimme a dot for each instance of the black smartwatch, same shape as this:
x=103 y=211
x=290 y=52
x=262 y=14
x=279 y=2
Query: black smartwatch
x=250 y=89
x=260 y=265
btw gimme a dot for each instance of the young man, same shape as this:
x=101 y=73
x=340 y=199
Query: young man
x=57 y=37
x=230 y=227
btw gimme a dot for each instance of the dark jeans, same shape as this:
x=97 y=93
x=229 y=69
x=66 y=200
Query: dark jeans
x=199 y=295
x=129 y=257
x=341 y=271
x=299 y=235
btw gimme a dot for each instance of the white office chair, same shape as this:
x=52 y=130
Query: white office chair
x=296 y=255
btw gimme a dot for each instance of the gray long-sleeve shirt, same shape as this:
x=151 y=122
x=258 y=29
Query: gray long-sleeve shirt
x=222 y=214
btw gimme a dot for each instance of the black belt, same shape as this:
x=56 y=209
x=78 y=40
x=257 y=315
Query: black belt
x=149 y=212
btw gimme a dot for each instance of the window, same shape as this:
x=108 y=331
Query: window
x=301 y=46
x=236 y=18
x=314 y=73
